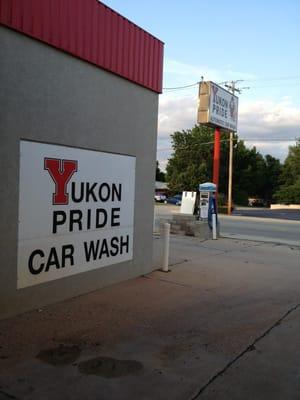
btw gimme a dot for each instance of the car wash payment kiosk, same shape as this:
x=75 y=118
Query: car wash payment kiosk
x=207 y=200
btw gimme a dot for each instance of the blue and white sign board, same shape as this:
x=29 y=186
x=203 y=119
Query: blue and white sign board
x=207 y=187
x=217 y=107
x=76 y=211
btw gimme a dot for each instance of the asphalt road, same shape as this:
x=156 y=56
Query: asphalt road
x=267 y=229
x=293 y=215
x=261 y=229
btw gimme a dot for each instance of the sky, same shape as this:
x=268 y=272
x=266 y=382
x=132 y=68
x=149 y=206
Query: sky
x=255 y=42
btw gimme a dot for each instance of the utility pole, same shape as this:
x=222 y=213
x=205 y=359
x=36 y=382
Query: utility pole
x=232 y=89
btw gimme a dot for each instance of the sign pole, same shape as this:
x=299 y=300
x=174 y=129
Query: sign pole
x=229 y=206
x=216 y=165
x=219 y=107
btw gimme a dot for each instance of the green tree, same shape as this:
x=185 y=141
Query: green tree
x=273 y=171
x=244 y=172
x=291 y=166
x=159 y=175
x=191 y=160
x=289 y=194
x=191 y=163
x=289 y=191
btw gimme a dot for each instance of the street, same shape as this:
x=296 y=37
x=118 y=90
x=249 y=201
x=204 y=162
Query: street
x=268 y=213
x=261 y=229
x=249 y=228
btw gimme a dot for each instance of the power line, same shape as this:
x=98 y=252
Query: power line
x=276 y=85
x=268 y=140
x=181 y=87
x=225 y=83
x=279 y=78
x=192 y=144
x=227 y=140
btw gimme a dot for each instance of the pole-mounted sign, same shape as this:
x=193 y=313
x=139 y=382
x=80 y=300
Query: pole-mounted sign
x=217 y=107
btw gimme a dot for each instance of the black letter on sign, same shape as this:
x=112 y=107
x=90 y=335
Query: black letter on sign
x=104 y=249
x=116 y=192
x=124 y=244
x=91 y=250
x=114 y=243
x=79 y=199
x=52 y=259
x=67 y=252
x=30 y=262
x=58 y=221
x=90 y=192
x=104 y=213
x=115 y=216
x=75 y=218
x=102 y=195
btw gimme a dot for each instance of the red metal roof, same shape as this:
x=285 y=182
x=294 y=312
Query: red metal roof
x=93 y=32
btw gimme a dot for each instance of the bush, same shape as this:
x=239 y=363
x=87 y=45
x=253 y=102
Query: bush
x=241 y=198
x=224 y=209
x=289 y=194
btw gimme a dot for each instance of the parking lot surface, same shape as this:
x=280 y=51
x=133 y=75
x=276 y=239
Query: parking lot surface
x=223 y=324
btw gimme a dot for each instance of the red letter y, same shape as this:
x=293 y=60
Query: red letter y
x=61 y=172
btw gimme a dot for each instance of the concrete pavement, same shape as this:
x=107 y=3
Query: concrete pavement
x=223 y=324
x=270 y=369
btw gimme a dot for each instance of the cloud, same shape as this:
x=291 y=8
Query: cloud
x=269 y=119
x=177 y=73
x=176 y=113
x=266 y=124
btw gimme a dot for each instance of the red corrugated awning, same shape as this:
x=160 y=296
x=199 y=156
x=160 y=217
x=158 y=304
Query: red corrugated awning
x=93 y=32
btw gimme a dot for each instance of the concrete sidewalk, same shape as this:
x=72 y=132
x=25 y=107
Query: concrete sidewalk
x=223 y=324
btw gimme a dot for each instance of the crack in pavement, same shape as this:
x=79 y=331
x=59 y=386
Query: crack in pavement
x=167 y=281
x=232 y=250
x=180 y=262
x=249 y=348
x=9 y=396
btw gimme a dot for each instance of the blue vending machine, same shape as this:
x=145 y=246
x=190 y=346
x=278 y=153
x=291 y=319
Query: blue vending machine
x=207 y=203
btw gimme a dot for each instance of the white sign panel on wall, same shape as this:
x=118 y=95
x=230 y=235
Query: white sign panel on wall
x=76 y=211
x=217 y=107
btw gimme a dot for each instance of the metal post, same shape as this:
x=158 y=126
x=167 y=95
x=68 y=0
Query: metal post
x=166 y=245
x=229 y=205
x=214 y=226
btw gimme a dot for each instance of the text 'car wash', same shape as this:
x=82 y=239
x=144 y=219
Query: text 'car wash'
x=88 y=223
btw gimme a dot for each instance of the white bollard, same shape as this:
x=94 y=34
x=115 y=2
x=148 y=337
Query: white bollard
x=166 y=244
x=214 y=226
